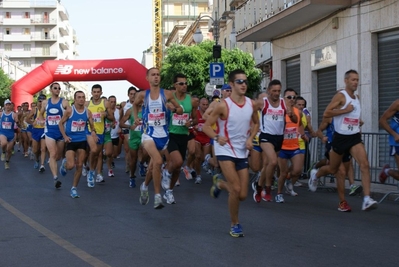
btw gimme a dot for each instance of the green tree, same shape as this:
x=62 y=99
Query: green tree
x=193 y=61
x=5 y=87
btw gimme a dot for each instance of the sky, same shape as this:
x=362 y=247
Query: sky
x=111 y=30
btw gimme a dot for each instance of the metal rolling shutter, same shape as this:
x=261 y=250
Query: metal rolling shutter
x=293 y=74
x=388 y=81
x=326 y=89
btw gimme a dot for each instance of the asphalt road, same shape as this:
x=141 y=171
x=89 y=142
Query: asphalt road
x=106 y=226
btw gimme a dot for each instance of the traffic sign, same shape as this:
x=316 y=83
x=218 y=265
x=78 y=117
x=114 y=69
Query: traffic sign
x=209 y=89
x=216 y=73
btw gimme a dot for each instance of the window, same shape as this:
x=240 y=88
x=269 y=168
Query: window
x=8 y=15
x=7 y=47
x=27 y=47
x=8 y=31
x=26 y=31
x=26 y=15
x=178 y=9
x=46 y=50
x=202 y=7
x=27 y=63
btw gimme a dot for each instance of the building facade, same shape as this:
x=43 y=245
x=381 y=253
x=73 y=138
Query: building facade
x=32 y=32
x=316 y=42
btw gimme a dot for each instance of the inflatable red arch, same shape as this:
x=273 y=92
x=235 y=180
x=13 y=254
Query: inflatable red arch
x=77 y=70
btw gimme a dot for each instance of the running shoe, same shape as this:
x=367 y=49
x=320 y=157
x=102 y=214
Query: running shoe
x=142 y=169
x=236 y=231
x=313 y=181
x=279 y=198
x=3 y=156
x=168 y=196
x=100 y=178
x=36 y=165
x=26 y=155
x=74 y=193
x=42 y=169
x=343 y=206
x=298 y=184
x=289 y=188
x=90 y=179
x=355 y=189
x=132 y=182
x=383 y=176
x=57 y=183
x=144 y=198
x=63 y=170
x=6 y=165
x=165 y=181
x=187 y=173
x=370 y=204
x=215 y=190
x=193 y=174
x=266 y=196
x=158 y=202
x=177 y=182
x=257 y=196
x=84 y=170
x=111 y=173
x=198 y=180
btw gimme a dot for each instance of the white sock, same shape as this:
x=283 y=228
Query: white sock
x=366 y=198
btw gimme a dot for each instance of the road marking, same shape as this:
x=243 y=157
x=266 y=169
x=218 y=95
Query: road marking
x=54 y=237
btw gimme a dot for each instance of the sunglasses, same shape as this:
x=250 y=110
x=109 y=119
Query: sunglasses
x=228 y=90
x=290 y=97
x=241 y=81
x=56 y=88
x=182 y=83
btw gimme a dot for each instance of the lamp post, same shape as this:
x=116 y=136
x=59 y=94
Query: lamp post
x=217 y=49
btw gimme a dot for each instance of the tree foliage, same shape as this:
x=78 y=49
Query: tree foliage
x=5 y=87
x=194 y=61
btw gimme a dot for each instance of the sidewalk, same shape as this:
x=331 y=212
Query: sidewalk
x=378 y=191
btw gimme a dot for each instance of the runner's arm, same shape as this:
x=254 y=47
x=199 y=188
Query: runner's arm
x=393 y=108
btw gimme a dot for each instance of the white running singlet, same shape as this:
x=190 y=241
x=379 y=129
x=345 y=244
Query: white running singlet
x=349 y=123
x=272 y=119
x=236 y=128
x=127 y=106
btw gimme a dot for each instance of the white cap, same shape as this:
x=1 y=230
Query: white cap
x=7 y=102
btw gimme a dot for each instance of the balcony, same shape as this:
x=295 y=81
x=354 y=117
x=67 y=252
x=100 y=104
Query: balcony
x=44 y=53
x=261 y=21
x=16 y=21
x=64 y=46
x=63 y=13
x=64 y=31
x=43 y=21
x=16 y=37
x=52 y=37
x=236 y=3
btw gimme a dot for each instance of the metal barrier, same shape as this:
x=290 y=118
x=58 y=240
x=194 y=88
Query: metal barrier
x=377 y=148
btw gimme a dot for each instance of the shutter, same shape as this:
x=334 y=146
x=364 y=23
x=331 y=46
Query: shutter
x=388 y=82
x=293 y=74
x=326 y=89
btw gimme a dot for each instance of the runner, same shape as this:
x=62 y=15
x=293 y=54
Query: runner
x=155 y=130
x=345 y=109
x=54 y=108
x=75 y=133
x=7 y=120
x=232 y=141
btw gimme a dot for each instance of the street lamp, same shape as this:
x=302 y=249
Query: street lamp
x=217 y=49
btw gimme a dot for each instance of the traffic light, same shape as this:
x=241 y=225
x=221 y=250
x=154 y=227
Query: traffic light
x=217 y=51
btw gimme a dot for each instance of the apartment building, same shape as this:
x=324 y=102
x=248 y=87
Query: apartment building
x=32 y=32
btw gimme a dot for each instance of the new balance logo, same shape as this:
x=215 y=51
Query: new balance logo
x=63 y=69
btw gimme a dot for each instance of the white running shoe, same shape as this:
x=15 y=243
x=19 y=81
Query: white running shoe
x=290 y=189
x=313 y=181
x=168 y=196
x=198 y=180
x=165 y=181
x=111 y=173
x=99 y=178
x=279 y=198
x=369 y=204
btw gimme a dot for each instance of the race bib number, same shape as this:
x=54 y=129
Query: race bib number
x=39 y=122
x=200 y=126
x=290 y=133
x=96 y=117
x=180 y=120
x=78 y=126
x=156 y=119
x=275 y=115
x=138 y=128
x=350 y=124
x=107 y=126
x=53 y=119
x=6 y=125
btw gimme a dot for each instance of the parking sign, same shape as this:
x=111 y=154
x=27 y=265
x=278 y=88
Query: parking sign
x=216 y=73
